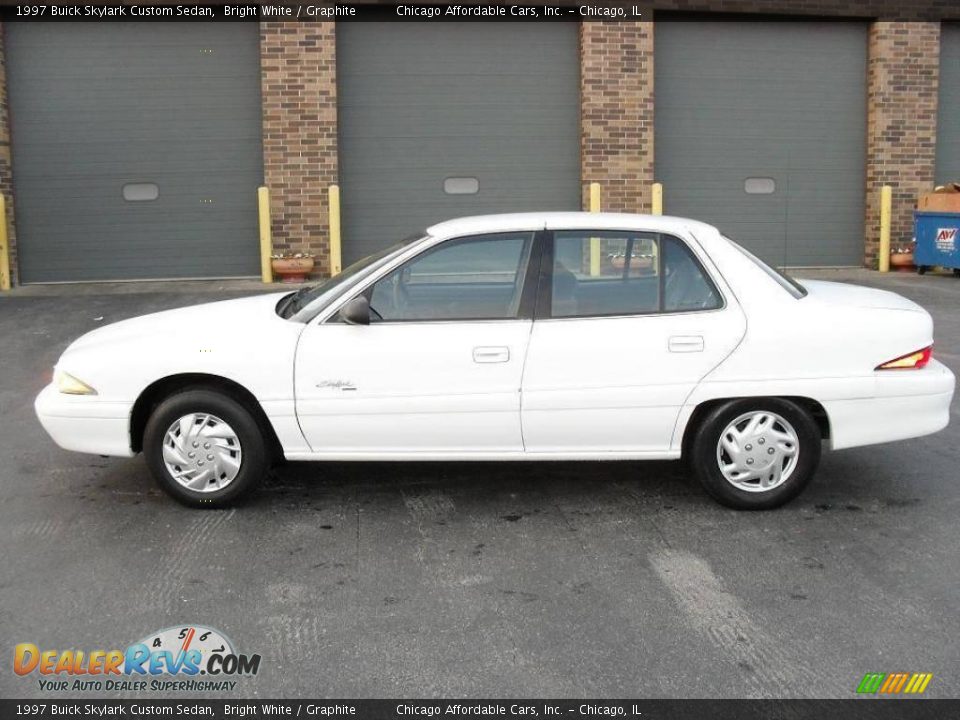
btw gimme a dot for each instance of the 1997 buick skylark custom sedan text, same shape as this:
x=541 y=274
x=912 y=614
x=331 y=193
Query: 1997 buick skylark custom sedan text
x=514 y=337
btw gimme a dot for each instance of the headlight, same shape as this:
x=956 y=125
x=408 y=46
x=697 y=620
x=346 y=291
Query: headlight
x=69 y=385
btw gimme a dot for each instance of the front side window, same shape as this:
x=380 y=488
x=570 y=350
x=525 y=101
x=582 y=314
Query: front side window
x=598 y=273
x=473 y=278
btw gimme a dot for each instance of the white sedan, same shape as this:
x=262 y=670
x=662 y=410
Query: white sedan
x=552 y=336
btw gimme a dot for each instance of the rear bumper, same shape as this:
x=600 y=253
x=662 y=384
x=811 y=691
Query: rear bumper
x=85 y=424
x=906 y=404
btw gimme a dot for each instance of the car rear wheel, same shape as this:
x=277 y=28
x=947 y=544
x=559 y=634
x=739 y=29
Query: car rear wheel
x=204 y=448
x=756 y=454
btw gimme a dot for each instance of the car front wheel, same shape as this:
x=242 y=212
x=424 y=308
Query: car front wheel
x=756 y=454
x=204 y=448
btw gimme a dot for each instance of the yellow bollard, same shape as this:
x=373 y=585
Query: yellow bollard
x=4 y=247
x=886 y=211
x=656 y=199
x=266 y=242
x=335 y=249
x=594 y=242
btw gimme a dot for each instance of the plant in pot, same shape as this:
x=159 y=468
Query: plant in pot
x=292 y=267
x=901 y=256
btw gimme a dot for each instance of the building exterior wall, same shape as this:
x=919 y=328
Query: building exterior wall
x=299 y=95
x=6 y=172
x=903 y=67
x=616 y=113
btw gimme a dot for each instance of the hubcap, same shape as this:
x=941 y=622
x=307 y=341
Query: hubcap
x=758 y=451
x=202 y=452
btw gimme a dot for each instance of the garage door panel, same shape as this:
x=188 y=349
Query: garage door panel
x=99 y=161
x=948 y=119
x=147 y=128
x=782 y=100
x=380 y=175
x=419 y=103
x=94 y=108
x=368 y=123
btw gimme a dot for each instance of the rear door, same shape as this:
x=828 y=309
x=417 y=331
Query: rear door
x=627 y=324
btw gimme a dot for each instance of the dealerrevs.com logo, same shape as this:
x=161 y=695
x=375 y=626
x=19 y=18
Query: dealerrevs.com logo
x=188 y=658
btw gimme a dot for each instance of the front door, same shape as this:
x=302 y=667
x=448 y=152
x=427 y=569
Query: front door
x=437 y=372
x=626 y=327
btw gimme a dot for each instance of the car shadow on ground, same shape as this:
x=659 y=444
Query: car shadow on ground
x=652 y=485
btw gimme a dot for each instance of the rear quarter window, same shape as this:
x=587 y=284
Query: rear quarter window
x=795 y=289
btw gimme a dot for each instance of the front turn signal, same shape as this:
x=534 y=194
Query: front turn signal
x=69 y=385
x=916 y=360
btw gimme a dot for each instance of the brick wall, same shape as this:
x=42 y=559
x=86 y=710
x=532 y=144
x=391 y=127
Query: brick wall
x=6 y=173
x=616 y=112
x=299 y=91
x=902 y=73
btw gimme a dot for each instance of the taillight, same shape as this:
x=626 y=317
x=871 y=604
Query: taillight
x=916 y=360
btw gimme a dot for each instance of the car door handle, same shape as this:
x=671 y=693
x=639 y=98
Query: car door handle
x=491 y=354
x=685 y=343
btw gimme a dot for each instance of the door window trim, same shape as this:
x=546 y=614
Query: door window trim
x=544 y=301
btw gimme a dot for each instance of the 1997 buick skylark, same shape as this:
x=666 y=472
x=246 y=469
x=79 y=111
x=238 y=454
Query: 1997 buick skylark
x=514 y=337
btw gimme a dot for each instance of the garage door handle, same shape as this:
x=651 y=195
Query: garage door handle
x=491 y=354
x=685 y=344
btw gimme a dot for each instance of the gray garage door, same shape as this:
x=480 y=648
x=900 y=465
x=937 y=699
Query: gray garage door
x=440 y=121
x=948 y=130
x=136 y=149
x=760 y=129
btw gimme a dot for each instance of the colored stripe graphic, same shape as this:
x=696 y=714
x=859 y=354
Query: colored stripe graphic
x=871 y=683
x=894 y=683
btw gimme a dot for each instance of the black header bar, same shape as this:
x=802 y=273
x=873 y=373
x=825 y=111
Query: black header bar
x=523 y=11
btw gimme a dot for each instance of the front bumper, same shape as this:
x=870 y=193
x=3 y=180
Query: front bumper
x=906 y=404
x=87 y=424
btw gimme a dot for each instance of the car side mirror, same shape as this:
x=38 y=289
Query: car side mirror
x=356 y=311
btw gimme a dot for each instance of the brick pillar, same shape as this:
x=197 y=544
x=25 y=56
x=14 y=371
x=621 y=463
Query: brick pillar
x=902 y=73
x=299 y=94
x=616 y=112
x=6 y=172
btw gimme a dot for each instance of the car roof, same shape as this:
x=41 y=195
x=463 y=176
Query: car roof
x=562 y=220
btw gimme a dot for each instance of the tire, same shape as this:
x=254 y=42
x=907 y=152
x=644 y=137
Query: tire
x=921 y=269
x=215 y=426
x=769 y=444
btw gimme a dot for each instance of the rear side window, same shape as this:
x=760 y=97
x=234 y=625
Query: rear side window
x=614 y=273
x=685 y=285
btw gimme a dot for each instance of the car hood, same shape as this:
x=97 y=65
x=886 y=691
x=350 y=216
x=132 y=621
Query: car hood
x=206 y=319
x=834 y=294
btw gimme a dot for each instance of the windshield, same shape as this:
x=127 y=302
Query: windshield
x=783 y=280
x=292 y=305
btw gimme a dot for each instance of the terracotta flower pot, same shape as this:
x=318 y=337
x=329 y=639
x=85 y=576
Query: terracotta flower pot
x=636 y=263
x=292 y=270
x=901 y=261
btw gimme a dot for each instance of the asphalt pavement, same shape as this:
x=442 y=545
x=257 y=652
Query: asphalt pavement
x=481 y=580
